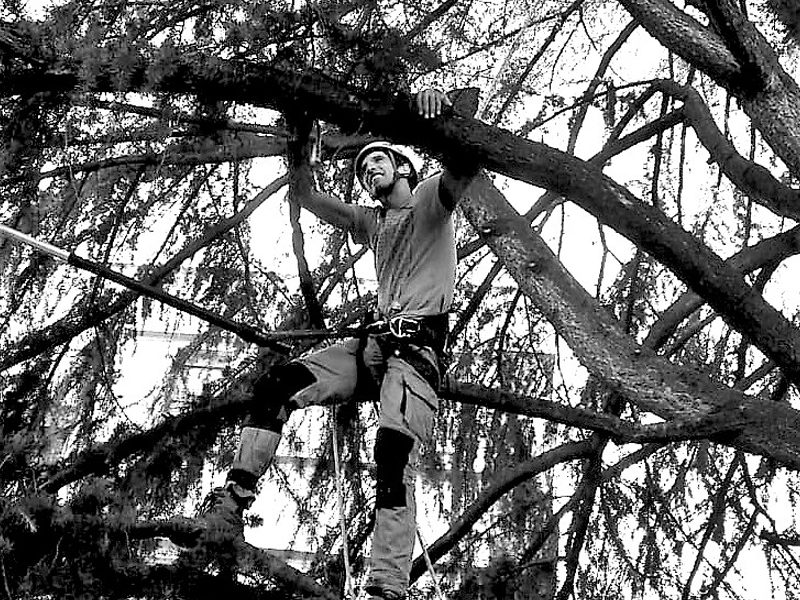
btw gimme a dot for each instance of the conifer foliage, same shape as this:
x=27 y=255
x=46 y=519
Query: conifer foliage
x=621 y=416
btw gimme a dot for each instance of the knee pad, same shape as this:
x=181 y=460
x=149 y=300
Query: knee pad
x=392 y=451
x=272 y=394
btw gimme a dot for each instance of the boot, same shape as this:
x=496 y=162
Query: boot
x=221 y=513
x=222 y=510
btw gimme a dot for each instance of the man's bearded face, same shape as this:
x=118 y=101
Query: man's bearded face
x=378 y=173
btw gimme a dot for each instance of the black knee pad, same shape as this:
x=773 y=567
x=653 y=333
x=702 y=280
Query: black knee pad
x=272 y=393
x=392 y=450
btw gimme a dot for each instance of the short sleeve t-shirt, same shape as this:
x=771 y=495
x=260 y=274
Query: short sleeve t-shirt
x=415 y=252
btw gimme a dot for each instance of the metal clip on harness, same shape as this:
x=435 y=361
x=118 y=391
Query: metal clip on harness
x=404 y=327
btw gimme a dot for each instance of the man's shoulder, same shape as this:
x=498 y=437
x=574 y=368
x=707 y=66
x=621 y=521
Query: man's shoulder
x=428 y=196
x=429 y=186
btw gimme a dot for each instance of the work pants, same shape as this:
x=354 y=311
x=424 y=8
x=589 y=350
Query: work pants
x=407 y=406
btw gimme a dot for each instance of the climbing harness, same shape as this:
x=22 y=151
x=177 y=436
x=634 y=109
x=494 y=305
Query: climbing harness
x=420 y=331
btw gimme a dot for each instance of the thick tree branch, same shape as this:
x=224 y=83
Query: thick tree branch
x=688 y=38
x=634 y=373
x=771 y=250
x=678 y=429
x=742 y=39
x=774 y=106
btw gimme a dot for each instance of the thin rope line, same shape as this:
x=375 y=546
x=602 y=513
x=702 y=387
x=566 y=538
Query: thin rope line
x=429 y=564
x=348 y=577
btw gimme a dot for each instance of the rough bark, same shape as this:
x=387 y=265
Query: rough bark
x=634 y=373
x=770 y=251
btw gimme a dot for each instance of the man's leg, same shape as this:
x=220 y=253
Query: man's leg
x=323 y=376
x=257 y=445
x=264 y=425
x=408 y=406
x=395 y=514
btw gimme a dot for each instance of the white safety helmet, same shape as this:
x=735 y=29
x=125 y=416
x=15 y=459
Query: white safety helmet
x=400 y=157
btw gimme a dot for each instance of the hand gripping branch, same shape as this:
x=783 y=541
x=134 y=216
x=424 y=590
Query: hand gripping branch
x=247 y=333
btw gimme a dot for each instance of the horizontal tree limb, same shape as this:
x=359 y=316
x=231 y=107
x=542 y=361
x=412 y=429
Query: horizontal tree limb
x=249 y=559
x=283 y=88
x=502 y=483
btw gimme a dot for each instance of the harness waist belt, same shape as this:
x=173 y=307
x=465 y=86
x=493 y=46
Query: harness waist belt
x=429 y=330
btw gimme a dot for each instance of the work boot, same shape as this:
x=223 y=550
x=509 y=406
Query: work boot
x=221 y=513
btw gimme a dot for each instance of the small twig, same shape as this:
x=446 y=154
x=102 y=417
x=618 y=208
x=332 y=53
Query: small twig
x=717 y=513
x=5 y=578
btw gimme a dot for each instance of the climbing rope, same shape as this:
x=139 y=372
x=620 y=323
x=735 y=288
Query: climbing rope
x=429 y=565
x=348 y=576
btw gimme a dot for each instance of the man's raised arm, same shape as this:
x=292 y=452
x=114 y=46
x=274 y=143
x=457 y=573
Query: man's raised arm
x=457 y=173
x=326 y=207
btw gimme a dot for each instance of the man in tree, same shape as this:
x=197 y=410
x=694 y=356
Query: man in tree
x=412 y=236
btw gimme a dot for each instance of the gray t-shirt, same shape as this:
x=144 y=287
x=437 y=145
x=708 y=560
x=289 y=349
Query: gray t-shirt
x=415 y=252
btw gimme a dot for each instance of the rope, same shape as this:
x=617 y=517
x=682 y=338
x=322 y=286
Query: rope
x=429 y=565
x=348 y=576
